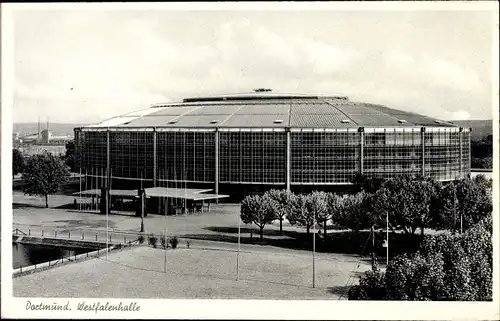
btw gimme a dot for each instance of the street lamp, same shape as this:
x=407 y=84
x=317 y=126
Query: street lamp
x=141 y=195
x=386 y=242
x=314 y=248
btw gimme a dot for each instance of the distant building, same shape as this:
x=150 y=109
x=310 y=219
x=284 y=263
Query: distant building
x=48 y=139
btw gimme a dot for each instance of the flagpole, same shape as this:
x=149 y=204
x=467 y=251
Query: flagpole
x=142 y=206
x=91 y=191
x=86 y=178
x=238 y=255
x=314 y=249
x=107 y=210
x=80 y=195
x=97 y=188
x=165 y=232
x=387 y=237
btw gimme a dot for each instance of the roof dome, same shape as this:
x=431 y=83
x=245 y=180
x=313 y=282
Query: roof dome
x=263 y=108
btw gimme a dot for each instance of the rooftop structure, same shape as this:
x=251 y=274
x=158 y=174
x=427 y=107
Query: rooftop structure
x=272 y=140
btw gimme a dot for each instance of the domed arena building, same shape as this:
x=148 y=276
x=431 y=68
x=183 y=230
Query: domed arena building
x=243 y=143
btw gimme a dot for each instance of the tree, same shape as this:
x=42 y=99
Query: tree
x=17 y=162
x=281 y=204
x=69 y=156
x=447 y=267
x=318 y=206
x=43 y=175
x=407 y=200
x=445 y=214
x=258 y=210
x=334 y=206
x=462 y=203
x=367 y=184
x=482 y=152
x=356 y=212
x=300 y=213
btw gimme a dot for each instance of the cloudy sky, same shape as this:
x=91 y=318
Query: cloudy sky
x=86 y=66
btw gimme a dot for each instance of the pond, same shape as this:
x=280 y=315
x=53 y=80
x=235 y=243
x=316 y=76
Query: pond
x=30 y=254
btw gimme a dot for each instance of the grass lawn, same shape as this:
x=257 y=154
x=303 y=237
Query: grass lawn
x=196 y=273
x=220 y=224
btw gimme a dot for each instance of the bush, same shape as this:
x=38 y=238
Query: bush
x=153 y=240
x=174 y=241
x=141 y=239
x=371 y=287
x=447 y=267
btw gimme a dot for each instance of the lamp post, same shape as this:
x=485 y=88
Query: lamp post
x=386 y=242
x=238 y=255
x=141 y=195
x=314 y=249
x=387 y=236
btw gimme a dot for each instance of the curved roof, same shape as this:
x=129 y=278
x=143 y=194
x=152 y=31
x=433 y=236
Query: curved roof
x=264 y=109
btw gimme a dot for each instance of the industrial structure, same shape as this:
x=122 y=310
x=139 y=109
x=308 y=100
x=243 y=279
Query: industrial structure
x=43 y=137
x=237 y=144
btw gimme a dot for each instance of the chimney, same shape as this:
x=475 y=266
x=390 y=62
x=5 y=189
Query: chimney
x=39 y=137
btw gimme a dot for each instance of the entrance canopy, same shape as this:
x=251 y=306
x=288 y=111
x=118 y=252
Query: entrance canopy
x=185 y=193
x=162 y=192
x=124 y=193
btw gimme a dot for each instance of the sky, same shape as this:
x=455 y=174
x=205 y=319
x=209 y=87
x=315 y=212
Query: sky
x=84 y=66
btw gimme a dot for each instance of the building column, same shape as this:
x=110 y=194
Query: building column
x=288 y=159
x=470 y=152
x=422 y=142
x=460 y=140
x=217 y=163
x=154 y=158
x=108 y=158
x=361 y=131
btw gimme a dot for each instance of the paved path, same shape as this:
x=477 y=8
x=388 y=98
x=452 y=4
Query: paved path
x=29 y=212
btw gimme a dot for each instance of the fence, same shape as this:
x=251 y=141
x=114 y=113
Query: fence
x=70 y=258
x=84 y=235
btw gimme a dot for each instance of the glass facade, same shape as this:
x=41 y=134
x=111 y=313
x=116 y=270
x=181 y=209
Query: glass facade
x=259 y=156
x=442 y=154
x=131 y=154
x=324 y=157
x=186 y=156
x=91 y=148
x=252 y=157
x=465 y=151
x=389 y=153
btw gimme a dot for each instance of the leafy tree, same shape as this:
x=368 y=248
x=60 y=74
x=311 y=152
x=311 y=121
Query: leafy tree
x=408 y=202
x=258 y=210
x=69 y=156
x=371 y=287
x=356 y=212
x=335 y=206
x=483 y=182
x=318 y=208
x=486 y=162
x=465 y=201
x=17 y=162
x=43 y=175
x=445 y=215
x=447 y=267
x=367 y=183
x=300 y=213
x=281 y=204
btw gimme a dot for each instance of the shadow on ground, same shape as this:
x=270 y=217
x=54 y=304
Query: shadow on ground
x=340 y=290
x=19 y=205
x=346 y=242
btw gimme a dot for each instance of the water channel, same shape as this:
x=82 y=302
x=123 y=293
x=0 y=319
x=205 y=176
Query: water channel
x=30 y=254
